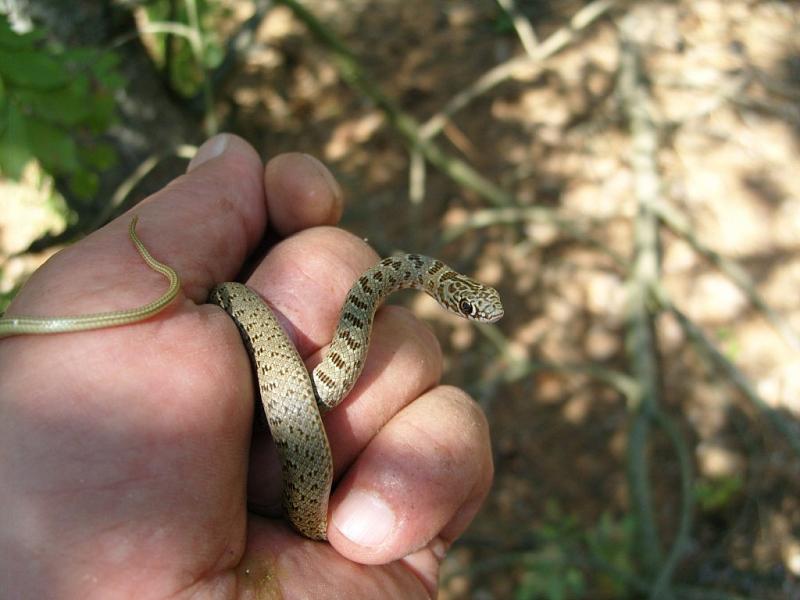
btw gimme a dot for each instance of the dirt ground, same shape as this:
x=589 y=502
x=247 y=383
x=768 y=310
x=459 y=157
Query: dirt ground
x=725 y=94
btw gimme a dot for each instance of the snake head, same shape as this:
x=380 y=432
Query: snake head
x=472 y=300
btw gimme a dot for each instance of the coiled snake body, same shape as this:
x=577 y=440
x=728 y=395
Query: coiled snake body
x=292 y=400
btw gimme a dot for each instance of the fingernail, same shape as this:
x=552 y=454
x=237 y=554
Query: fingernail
x=326 y=175
x=212 y=148
x=365 y=519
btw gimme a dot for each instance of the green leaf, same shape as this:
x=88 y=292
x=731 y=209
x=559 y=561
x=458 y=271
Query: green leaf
x=106 y=62
x=67 y=106
x=13 y=40
x=716 y=494
x=3 y=118
x=79 y=57
x=3 y=107
x=51 y=98
x=84 y=184
x=112 y=80
x=15 y=150
x=52 y=146
x=32 y=68
x=99 y=156
x=104 y=71
x=103 y=112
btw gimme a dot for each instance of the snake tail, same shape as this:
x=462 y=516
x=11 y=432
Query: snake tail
x=23 y=324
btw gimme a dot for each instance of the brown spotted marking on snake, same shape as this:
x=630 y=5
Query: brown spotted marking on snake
x=293 y=401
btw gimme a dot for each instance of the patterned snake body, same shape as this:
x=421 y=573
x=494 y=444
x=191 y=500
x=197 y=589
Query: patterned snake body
x=335 y=376
x=292 y=403
x=290 y=407
x=292 y=400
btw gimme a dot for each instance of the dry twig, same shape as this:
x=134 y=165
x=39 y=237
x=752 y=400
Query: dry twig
x=525 y=32
x=520 y=66
x=640 y=340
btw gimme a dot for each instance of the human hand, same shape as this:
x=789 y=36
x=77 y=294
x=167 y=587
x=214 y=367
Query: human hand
x=126 y=462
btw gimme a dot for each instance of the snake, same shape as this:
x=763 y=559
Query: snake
x=293 y=400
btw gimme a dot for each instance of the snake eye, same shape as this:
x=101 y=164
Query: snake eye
x=466 y=308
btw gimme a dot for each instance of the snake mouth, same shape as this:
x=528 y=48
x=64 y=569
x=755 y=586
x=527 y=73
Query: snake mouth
x=495 y=316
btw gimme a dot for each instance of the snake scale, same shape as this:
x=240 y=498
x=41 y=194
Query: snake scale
x=293 y=400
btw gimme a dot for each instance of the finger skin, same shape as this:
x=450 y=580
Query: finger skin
x=123 y=451
x=403 y=362
x=128 y=446
x=293 y=569
x=301 y=193
x=429 y=462
x=305 y=280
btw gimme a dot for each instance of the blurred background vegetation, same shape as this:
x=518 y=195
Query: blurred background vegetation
x=625 y=173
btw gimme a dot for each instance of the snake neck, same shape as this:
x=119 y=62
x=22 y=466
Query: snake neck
x=335 y=376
